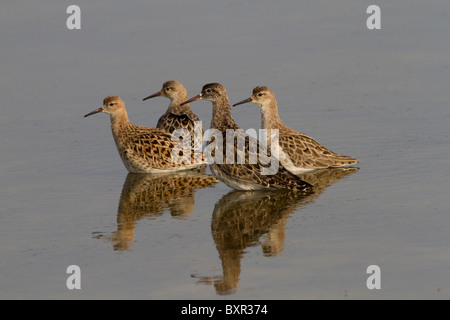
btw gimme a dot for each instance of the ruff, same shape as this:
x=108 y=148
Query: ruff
x=143 y=149
x=298 y=152
x=176 y=116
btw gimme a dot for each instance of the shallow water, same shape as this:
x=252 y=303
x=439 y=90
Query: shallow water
x=379 y=95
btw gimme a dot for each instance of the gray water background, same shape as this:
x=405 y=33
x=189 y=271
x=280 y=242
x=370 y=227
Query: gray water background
x=379 y=95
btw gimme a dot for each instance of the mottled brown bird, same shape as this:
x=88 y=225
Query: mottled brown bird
x=298 y=152
x=176 y=116
x=144 y=149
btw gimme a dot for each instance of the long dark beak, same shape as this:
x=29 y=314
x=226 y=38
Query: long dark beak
x=94 y=112
x=197 y=97
x=152 y=96
x=242 y=102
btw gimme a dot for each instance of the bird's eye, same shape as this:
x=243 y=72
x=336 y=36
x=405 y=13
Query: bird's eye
x=260 y=94
x=208 y=90
x=111 y=104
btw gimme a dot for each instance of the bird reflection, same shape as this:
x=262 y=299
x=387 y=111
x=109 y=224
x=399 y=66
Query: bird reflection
x=243 y=219
x=150 y=195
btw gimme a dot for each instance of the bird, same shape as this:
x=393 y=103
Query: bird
x=297 y=151
x=143 y=149
x=244 y=174
x=176 y=116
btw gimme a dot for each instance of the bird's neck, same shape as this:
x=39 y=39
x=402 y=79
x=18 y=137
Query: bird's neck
x=119 y=122
x=270 y=119
x=175 y=107
x=222 y=118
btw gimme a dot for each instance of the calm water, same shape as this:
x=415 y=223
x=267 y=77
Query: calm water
x=379 y=95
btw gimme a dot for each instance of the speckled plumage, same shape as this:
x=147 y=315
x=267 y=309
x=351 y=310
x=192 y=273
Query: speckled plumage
x=143 y=149
x=245 y=176
x=298 y=151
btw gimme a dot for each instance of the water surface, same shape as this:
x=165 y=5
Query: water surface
x=379 y=95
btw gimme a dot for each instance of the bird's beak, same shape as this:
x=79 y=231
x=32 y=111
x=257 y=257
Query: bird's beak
x=243 y=101
x=153 y=95
x=197 y=97
x=94 y=112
